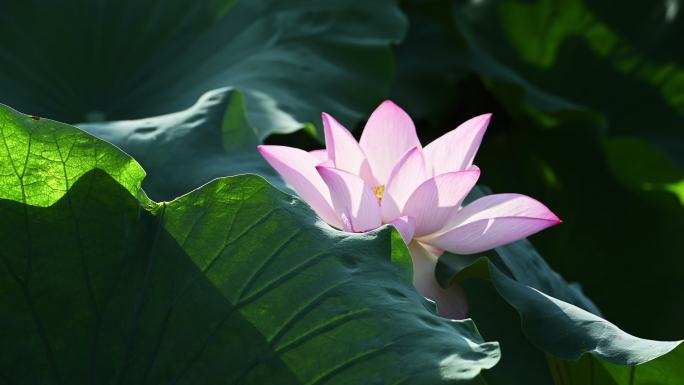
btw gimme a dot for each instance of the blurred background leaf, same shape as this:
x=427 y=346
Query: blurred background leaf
x=84 y=61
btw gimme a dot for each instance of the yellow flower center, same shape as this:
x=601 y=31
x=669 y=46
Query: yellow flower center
x=379 y=190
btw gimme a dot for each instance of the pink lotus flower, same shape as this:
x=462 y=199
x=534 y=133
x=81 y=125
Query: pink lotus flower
x=389 y=178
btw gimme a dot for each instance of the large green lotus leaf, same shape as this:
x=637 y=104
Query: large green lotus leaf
x=84 y=60
x=620 y=197
x=233 y=283
x=561 y=327
x=564 y=330
x=183 y=150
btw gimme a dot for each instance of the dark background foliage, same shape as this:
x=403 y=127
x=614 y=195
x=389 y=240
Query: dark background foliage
x=588 y=103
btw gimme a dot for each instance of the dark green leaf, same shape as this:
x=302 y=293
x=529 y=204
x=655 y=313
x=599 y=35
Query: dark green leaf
x=554 y=315
x=665 y=370
x=586 y=370
x=520 y=360
x=555 y=326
